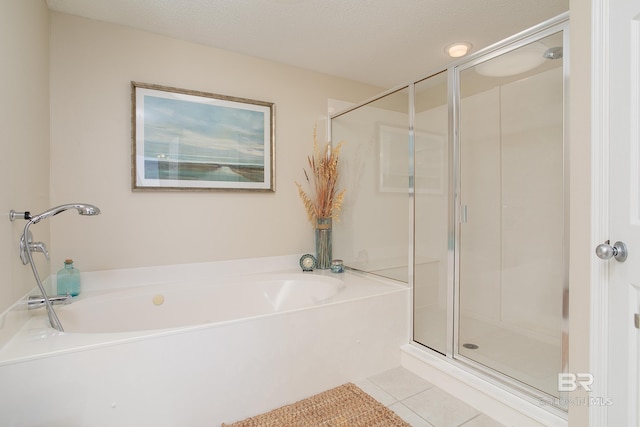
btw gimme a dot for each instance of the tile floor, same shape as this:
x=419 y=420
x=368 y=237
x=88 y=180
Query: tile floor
x=420 y=403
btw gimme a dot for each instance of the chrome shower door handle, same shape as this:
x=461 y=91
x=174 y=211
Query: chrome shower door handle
x=606 y=251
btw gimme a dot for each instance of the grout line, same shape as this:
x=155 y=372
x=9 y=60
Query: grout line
x=414 y=412
x=430 y=386
x=421 y=391
x=470 y=419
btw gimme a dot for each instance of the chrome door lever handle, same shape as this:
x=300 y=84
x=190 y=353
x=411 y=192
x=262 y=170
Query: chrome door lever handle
x=606 y=251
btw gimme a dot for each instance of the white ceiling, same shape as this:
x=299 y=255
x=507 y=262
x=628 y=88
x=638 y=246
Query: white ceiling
x=380 y=42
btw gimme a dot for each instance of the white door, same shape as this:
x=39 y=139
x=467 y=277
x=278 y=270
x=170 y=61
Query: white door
x=623 y=292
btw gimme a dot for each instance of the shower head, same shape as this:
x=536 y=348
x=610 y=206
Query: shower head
x=82 y=208
x=85 y=209
x=553 y=53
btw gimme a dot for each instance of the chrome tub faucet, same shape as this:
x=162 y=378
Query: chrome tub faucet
x=27 y=246
x=37 y=301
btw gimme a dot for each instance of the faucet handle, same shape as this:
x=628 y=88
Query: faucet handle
x=31 y=246
x=39 y=247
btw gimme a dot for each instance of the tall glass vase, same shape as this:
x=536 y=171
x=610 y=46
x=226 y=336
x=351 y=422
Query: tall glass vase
x=323 y=243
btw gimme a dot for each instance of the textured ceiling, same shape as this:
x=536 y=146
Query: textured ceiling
x=381 y=42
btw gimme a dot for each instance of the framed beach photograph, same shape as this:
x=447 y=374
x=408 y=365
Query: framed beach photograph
x=394 y=161
x=190 y=140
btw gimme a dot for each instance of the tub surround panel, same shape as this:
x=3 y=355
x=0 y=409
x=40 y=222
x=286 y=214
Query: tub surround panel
x=12 y=320
x=202 y=374
x=209 y=376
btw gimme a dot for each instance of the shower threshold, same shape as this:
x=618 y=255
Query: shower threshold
x=491 y=397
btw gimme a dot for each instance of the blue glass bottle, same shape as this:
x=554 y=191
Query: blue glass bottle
x=68 y=279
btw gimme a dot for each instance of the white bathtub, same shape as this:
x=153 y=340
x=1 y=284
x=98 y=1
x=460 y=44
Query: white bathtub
x=176 y=305
x=199 y=345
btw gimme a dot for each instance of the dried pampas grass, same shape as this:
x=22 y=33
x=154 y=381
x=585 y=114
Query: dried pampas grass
x=324 y=200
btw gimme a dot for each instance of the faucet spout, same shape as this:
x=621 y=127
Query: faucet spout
x=37 y=301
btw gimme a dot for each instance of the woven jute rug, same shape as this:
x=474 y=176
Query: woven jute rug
x=344 y=406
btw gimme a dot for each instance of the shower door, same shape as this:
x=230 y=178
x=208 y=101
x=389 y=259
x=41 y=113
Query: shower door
x=510 y=207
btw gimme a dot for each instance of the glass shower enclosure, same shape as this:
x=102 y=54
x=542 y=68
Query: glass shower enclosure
x=456 y=185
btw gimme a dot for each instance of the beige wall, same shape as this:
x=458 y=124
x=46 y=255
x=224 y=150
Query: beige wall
x=580 y=200
x=24 y=121
x=92 y=65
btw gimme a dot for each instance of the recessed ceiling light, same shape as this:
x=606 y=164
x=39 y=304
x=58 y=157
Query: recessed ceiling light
x=458 y=49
